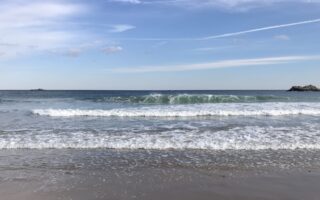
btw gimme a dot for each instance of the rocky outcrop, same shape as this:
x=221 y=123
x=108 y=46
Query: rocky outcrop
x=37 y=90
x=307 y=88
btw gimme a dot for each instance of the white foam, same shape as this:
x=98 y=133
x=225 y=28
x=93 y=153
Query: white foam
x=227 y=109
x=240 y=138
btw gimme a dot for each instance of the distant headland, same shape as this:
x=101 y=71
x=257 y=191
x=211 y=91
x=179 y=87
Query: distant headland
x=37 y=89
x=307 y=88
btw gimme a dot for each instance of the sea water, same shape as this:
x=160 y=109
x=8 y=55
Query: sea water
x=160 y=120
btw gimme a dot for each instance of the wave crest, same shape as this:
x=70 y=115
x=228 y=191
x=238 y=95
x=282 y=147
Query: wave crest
x=190 y=99
x=253 y=109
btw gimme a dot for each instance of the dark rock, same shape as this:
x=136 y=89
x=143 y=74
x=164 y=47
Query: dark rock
x=307 y=88
x=37 y=89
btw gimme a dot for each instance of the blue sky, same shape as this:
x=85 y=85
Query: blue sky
x=160 y=44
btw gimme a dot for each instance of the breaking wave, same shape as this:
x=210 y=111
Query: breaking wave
x=197 y=110
x=189 y=99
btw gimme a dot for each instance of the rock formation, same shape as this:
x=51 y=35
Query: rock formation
x=307 y=88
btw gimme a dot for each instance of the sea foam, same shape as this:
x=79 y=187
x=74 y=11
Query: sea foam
x=228 y=109
x=238 y=138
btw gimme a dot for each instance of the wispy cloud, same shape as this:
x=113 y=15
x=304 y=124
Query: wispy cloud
x=127 y=1
x=281 y=37
x=208 y=49
x=232 y=34
x=232 y=5
x=31 y=26
x=218 y=64
x=160 y=44
x=119 y=28
x=74 y=52
x=112 y=49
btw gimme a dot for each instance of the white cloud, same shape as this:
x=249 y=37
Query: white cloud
x=79 y=49
x=207 y=49
x=281 y=37
x=127 y=1
x=234 y=5
x=33 y=26
x=219 y=64
x=71 y=52
x=112 y=49
x=119 y=28
x=34 y=14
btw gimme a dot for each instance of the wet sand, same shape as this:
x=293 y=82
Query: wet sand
x=103 y=174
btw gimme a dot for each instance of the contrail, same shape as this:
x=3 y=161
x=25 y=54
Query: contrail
x=227 y=34
x=260 y=29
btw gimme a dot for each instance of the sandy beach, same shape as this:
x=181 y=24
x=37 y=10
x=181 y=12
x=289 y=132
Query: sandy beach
x=107 y=174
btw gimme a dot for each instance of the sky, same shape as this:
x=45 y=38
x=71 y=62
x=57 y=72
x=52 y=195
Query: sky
x=159 y=44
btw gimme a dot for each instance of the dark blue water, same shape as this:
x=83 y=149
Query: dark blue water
x=98 y=95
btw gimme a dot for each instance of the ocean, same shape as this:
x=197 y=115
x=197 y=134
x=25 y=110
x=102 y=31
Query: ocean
x=159 y=145
x=160 y=120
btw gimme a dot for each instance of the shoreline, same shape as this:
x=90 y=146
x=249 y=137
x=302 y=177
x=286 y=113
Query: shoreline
x=169 y=184
x=108 y=174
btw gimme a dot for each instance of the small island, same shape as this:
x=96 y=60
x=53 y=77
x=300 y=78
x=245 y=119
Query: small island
x=307 y=88
x=37 y=90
